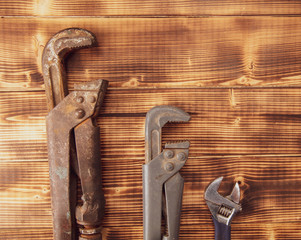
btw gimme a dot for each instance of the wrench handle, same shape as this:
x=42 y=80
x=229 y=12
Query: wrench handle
x=173 y=194
x=222 y=231
x=87 y=139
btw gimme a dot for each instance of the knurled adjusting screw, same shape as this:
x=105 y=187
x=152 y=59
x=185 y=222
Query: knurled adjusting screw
x=79 y=113
x=169 y=166
x=181 y=156
x=169 y=154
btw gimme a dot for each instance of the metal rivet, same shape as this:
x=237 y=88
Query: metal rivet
x=79 y=113
x=169 y=154
x=80 y=99
x=181 y=156
x=92 y=99
x=169 y=166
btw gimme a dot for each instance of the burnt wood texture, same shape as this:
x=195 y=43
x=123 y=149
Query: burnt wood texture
x=234 y=66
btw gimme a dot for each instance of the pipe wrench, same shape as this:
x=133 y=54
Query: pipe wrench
x=162 y=182
x=223 y=209
x=73 y=141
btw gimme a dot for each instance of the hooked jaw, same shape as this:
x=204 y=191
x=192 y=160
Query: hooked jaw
x=223 y=209
x=54 y=53
x=156 y=118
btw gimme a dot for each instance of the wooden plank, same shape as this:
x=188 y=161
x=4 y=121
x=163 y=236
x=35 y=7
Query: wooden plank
x=159 y=52
x=190 y=232
x=270 y=197
x=148 y=8
x=25 y=233
x=25 y=195
x=22 y=127
x=224 y=122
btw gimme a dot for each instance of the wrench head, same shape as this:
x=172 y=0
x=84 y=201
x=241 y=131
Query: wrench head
x=156 y=118
x=223 y=209
x=55 y=51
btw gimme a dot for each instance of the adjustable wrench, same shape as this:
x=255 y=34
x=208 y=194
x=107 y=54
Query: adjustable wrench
x=223 y=209
x=161 y=177
x=73 y=141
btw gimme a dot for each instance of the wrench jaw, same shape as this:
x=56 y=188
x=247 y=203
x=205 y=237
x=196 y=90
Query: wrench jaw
x=156 y=118
x=223 y=209
x=161 y=177
x=53 y=57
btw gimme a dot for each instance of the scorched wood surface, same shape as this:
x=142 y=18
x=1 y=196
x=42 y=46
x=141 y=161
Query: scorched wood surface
x=234 y=67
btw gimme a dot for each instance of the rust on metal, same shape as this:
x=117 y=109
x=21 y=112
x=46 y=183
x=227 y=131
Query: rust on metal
x=73 y=141
x=55 y=51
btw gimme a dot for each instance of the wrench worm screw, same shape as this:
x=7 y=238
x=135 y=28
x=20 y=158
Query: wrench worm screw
x=225 y=211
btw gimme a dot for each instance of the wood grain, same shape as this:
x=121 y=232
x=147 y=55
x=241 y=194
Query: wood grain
x=224 y=121
x=234 y=66
x=148 y=8
x=264 y=231
x=246 y=135
x=268 y=191
x=159 y=52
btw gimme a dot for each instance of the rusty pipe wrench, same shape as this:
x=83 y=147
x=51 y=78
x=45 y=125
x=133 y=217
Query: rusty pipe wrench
x=73 y=140
x=161 y=177
x=223 y=209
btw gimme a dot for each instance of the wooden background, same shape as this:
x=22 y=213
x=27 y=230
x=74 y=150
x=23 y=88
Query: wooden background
x=234 y=66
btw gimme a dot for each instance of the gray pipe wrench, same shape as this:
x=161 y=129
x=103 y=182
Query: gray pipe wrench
x=162 y=182
x=223 y=209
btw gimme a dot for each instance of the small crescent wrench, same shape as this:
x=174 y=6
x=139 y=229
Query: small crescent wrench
x=223 y=209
